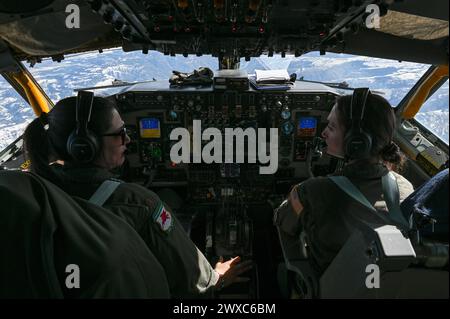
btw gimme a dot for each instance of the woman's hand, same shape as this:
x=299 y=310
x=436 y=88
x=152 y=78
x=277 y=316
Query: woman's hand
x=230 y=270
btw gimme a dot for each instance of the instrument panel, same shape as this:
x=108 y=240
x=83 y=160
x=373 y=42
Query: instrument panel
x=151 y=112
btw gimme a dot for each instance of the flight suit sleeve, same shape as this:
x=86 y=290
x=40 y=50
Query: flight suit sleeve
x=188 y=272
x=287 y=216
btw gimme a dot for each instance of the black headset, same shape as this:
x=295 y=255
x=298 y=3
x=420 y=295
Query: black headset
x=357 y=142
x=82 y=144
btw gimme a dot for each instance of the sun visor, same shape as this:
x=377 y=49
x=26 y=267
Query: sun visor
x=45 y=35
x=412 y=26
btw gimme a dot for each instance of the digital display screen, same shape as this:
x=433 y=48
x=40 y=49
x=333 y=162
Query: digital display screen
x=150 y=128
x=307 y=126
x=307 y=123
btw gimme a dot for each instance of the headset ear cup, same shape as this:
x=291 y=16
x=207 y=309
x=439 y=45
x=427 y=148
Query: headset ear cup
x=357 y=142
x=357 y=145
x=83 y=149
x=82 y=144
x=95 y=144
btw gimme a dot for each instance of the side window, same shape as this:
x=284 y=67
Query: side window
x=434 y=113
x=15 y=114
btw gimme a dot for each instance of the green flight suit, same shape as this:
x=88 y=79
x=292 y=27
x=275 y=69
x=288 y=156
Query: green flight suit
x=54 y=246
x=188 y=272
x=325 y=217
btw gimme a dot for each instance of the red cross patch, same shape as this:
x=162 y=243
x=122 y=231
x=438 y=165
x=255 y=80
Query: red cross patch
x=163 y=218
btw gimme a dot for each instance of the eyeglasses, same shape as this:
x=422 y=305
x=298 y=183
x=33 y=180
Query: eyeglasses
x=122 y=133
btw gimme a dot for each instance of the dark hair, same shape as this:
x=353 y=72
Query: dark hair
x=379 y=121
x=45 y=138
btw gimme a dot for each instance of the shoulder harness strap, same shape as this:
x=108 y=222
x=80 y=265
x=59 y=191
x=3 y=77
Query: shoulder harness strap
x=390 y=194
x=344 y=183
x=104 y=192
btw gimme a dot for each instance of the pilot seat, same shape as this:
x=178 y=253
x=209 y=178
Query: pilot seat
x=56 y=246
x=380 y=261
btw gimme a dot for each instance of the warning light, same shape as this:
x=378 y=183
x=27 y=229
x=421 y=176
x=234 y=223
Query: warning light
x=261 y=29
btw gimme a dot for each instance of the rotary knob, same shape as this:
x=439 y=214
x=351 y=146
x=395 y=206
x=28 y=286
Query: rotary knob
x=285 y=114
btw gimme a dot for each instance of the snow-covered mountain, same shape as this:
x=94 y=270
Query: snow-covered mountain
x=59 y=80
x=436 y=121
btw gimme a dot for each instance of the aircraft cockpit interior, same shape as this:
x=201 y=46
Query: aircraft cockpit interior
x=230 y=203
x=224 y=151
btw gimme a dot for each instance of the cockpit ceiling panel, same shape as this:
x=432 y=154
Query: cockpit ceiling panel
x=413 y=30
x=413 y=27
x=43 y=35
